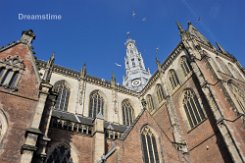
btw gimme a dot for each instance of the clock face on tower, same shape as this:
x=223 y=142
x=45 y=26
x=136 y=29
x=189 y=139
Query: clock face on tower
x=136 y=83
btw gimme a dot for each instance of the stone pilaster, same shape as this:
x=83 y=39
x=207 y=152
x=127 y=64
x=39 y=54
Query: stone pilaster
x=114 y=99
x=82 y=88
x=46 y=119
x=99 y=138
x=178 y=139
x=218 y=115
x=196 y=54
x=33 y=132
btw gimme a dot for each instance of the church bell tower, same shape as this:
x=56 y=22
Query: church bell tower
x=136 y=75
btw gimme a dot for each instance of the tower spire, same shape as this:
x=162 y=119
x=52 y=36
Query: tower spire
x=136 y=73
x=113 y=79
x=49 y=69
x=157 y=60
x=181 y=30
x=83 y=71
x=221 y=48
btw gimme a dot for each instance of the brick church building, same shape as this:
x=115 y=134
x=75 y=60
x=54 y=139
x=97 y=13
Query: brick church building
x=190 y=110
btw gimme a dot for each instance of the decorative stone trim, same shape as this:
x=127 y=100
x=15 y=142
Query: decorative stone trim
x=59 y=69
x=88 y=78
x=225 y=55
x=71 y=126
x=173 y=55
x=26 y=147
x=9 y=45
x=111 y=134
x=11 y=69
x=33 y=131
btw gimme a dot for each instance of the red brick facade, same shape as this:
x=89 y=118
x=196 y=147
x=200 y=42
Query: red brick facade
x=18 y=106
x=220 y=137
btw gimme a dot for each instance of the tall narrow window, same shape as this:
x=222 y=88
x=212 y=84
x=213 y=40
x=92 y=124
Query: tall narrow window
x=1 y=72
x=10 y=68
x=235 y=71
x=239 y=96
x=6 y=76
x=60 y=154
x=12 y=83
x=173 y=78
x=160 y=93
x=133 y=63
x=150 y=103
x=149 y=146
x=192 y=107
x=3 y=125
x=63 y=90
x=96 y=104
x=128 y=113
x=185 y=65
x=223 y=66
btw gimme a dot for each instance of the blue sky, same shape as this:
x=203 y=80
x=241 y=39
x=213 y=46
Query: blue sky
x=94 y=31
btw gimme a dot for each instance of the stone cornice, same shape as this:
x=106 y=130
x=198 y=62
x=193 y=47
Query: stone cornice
x=164 y=66
x=224 y=55
x=59 y=69
x=88 y=78
x=9 y=46
x=172 y=56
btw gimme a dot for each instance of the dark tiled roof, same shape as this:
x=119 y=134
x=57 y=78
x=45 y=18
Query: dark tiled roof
x=115 y=127
x=72 y=117
x=86 y=121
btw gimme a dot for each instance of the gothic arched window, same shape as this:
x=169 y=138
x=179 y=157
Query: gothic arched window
x=173 y=78
x=235 y=71
x=1 y=71
x=128 y=113
x=10 y=69
x=160 y=93
x=3 y=125
x=96 y=104
x=149 y=146
x=185 y=65
x=61 y=154
x=193 y=109
x=6 y=77
x=63 y=90
x=13 y=80
x=150 y=104
x=223 y=66
x=239 y=95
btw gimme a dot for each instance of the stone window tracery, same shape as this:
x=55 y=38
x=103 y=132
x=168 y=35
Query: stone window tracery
x=223 y=66
x=193 y=110
x=160 y=93
x=239 y=95
x=10 y=70
x=149 y=146
x=3 y=125
x=63 y=90
x=173 y=78
x=61 y=154
x=128 y=113
x=96 y=104
x=150 y=103
x=185 y=65
x=235 y=71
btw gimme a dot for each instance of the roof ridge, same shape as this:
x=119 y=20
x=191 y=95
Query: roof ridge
x=9 y=45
